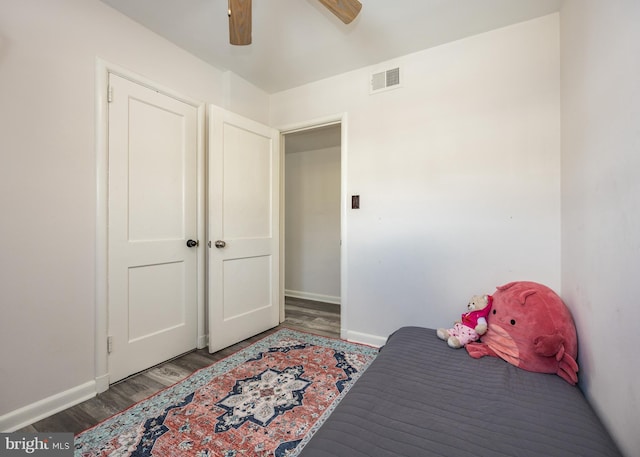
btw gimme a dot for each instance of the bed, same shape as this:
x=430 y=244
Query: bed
x=422 y=398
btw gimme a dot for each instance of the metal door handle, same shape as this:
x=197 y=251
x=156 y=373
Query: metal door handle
x=219 y=244
x=192 y=243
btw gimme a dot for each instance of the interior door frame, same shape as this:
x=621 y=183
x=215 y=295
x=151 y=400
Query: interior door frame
x=335 y=119
x=103 y=69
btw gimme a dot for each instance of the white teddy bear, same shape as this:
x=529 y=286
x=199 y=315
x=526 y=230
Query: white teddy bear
x=471 y=325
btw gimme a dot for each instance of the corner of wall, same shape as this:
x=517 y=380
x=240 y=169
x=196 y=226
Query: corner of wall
x=242 y=97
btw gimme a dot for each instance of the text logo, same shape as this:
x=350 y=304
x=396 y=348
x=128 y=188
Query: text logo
x=36 y=444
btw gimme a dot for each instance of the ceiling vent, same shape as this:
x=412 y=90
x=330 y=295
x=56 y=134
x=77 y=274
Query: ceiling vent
x=385 y=80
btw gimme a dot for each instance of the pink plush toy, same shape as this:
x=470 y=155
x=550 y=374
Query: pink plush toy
x=471 y=325
x=530 y=327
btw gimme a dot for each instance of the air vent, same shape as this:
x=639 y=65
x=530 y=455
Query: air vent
x=389 y=79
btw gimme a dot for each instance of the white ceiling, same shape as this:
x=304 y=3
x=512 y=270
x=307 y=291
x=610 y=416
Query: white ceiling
x=298 y=41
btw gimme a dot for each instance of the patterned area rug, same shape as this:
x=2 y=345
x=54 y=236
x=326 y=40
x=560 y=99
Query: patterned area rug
x=265 y=400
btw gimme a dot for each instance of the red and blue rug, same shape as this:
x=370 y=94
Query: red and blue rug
x=265 y=400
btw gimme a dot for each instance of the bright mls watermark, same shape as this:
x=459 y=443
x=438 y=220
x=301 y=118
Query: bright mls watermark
x=36 y=444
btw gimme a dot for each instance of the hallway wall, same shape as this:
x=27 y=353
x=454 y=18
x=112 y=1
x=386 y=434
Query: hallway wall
x=312 y=226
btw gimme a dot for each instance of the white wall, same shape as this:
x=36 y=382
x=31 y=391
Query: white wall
x=48 y=52
x=601 y=203
x=312 y=225
x=242 y=97
x=458 y=173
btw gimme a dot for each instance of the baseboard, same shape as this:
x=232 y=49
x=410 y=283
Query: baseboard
x=102 y=383
x=311 y=296
x=203 y=341
x=364 y=338
x=34 y=412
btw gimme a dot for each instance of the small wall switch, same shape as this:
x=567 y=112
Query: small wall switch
x=355 y=202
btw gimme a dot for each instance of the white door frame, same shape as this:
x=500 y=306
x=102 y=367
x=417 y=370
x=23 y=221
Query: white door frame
x=310 y=125
x=103 y=69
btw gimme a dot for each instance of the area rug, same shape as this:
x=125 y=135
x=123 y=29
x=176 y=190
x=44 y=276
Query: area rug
x=265 y=400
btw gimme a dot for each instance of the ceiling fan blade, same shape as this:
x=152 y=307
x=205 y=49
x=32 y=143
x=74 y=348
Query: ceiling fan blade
x=240 y=22
x=346 y=10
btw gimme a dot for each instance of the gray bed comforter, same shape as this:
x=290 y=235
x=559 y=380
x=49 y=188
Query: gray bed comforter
x=422 y=398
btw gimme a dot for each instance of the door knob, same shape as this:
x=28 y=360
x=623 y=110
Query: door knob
x=220 y=244
x=192 y=243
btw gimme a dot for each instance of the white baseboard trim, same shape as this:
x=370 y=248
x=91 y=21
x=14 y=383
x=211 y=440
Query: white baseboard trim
x=102 y=383
x=34 y=412
x=364 y=338
x=311 y=296
x=203 y=341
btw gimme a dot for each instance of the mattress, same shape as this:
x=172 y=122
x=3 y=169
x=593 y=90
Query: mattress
x=422 y=398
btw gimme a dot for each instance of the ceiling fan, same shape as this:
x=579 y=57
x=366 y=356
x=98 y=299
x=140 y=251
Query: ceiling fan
x=240 y=17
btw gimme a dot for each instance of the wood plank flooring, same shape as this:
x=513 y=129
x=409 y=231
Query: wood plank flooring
x=305 y=315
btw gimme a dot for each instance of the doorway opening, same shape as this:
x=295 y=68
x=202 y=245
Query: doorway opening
x=312 y=227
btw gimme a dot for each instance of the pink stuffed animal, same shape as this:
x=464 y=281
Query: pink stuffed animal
x=471 y=325
x=530 y=327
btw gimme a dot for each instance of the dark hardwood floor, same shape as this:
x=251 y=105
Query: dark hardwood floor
x=305 y=315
